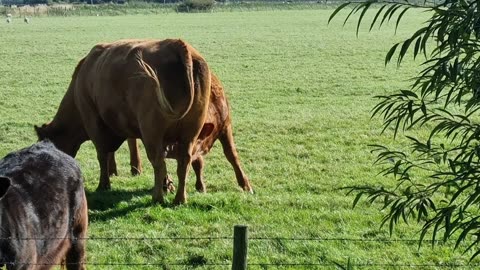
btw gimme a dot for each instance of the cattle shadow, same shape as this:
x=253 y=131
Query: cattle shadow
x=104 y=205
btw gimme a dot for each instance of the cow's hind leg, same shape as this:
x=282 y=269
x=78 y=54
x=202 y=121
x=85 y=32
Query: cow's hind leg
x=156 y=156
x=183 y=162
x=230 y=151
x=112 y=164
x=76 y=257
x=197 y=166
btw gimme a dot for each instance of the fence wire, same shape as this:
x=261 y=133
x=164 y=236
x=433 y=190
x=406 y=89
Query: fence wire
x=251 y=264
x=279 y=265
x=319 y=239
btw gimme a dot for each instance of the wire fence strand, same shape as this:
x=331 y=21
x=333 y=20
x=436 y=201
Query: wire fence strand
x=252 y=264
x=141 y=238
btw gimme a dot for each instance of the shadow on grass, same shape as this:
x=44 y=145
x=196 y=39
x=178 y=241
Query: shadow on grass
x=104 y=204
x=105 y=200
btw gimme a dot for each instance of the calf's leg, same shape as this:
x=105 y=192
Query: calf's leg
x=230 y=151
x=197 y=166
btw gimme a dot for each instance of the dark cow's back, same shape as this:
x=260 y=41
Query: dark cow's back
x=43 y=209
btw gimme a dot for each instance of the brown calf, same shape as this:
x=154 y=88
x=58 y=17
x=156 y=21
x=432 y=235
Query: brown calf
x=219 y=116
x=43 y=210
x=157 y=90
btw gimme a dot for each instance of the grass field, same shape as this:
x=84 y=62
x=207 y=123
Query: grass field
x=301 y=94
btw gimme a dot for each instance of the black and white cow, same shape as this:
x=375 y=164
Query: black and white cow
x=43 y=209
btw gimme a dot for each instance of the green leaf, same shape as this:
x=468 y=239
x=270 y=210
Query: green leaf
x=376 y=17
x=357 y=198
x=354 y=10
x=390 y=53
x=387 y=13
x=409 y=93
x=403 y=50
x=416 y=48
x=365 y=8
x=337 y=10
x=400 y=17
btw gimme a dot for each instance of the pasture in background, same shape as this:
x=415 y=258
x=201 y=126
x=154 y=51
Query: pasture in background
x=139 y=7
x=301 y=94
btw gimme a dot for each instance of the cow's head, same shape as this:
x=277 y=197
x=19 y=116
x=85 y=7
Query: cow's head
x=5 y=184
x=61 y=139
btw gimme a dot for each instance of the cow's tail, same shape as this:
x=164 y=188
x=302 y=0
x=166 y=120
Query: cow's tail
x=185 y=56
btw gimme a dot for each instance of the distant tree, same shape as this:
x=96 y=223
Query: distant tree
x=195 y=6
x=35 y=2
x=438 y=178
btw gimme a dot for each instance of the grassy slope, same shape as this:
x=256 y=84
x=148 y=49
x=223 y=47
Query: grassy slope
x=301 y=94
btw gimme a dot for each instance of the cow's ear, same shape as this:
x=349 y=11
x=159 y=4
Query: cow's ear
x=206 y=130
x=39 y=131
x=5 y=184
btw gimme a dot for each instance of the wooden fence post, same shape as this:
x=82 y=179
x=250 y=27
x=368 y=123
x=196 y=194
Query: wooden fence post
x=240 y=247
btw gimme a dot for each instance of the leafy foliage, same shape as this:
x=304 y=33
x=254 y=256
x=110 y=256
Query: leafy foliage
x=438 y=179
x=195 y=6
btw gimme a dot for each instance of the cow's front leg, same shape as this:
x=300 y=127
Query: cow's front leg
x=183 y=162
x=112 y=164
x=104 y=183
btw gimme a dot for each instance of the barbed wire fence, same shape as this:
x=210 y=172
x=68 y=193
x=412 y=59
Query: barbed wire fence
x=241 y=242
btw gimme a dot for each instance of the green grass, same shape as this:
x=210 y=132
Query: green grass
x=301 y=94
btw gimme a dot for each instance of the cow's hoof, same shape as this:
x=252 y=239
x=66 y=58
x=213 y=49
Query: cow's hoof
x=248 y=189
x=135 y=171
x=201 y=188
x=179 y=200
x=168 y=185
x=156 y=199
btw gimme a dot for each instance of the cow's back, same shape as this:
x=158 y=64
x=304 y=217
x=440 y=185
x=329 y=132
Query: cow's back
x=109 y=82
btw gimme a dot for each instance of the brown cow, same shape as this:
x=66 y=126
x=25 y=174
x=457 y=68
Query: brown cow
x=150 y=89
x=43 y=210
x=219 y=116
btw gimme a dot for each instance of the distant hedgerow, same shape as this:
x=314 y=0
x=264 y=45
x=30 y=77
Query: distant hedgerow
x=195 y=6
